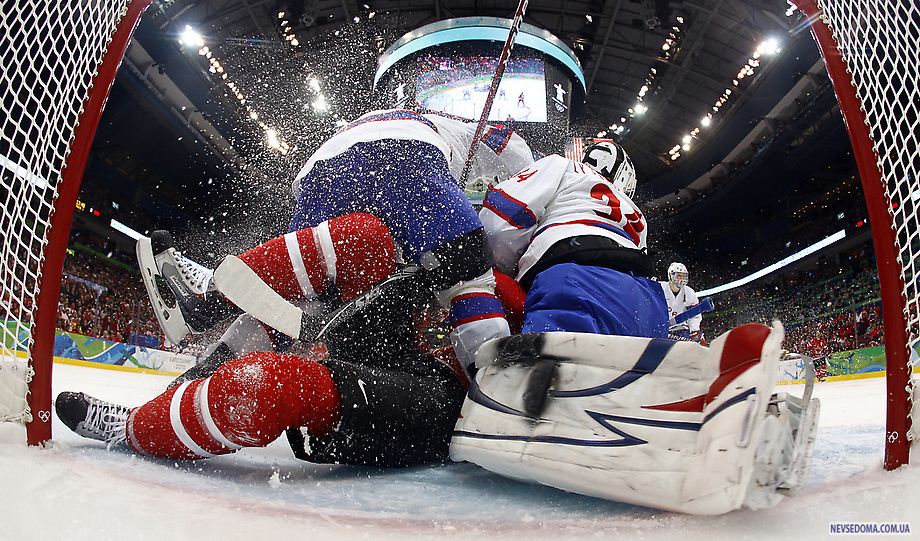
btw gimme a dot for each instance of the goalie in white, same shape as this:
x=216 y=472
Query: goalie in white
x=638 y=419
x=680 y=297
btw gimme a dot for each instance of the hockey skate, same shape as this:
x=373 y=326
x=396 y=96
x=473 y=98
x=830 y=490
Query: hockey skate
x=197 y=307
x=93 y=418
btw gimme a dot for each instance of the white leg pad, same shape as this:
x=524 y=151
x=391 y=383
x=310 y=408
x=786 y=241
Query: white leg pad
x=668 y=425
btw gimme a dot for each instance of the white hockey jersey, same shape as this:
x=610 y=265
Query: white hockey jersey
x=551 y=200
x=678 y=304
x=501 y=151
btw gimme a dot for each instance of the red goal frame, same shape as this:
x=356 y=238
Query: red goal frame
x=45 y=311
x=898 y=372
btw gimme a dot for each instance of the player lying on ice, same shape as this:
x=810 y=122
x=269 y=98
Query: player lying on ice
x=593 y=398
x=377 y=400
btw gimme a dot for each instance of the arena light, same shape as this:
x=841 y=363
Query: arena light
x=271 y=137
x=769 y=46
x=22 y=172
x=776 y=266
x=640 y=109
x=191 y=38
x=314 y=84
x=320 y=105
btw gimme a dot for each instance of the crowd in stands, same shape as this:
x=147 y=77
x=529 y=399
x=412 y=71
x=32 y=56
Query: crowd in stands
x=831 y=307
x=103 y=300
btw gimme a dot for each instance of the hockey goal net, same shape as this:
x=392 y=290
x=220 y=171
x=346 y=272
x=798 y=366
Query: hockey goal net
x=58 y=63
x=870 y=50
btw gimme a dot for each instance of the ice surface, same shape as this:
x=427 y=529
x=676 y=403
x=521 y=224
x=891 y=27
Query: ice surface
x=77 y=490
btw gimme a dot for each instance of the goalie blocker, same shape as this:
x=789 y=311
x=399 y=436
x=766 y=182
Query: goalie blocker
x=670 y=425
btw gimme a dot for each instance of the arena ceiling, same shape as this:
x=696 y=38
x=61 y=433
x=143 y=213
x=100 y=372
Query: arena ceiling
x=685 y=53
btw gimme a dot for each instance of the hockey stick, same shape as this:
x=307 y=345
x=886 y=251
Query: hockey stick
x=246 y=289
x=493 y=88
x=705 y=305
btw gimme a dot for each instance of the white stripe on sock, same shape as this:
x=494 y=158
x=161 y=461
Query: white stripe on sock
x=205 y=409
x=300 y=271
x=324 y=238
x=136 y=445
x=177 y=426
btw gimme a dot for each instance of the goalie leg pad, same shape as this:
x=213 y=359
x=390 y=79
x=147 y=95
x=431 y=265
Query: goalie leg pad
x=651 y=422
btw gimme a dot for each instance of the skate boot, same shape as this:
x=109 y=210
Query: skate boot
x=92 y=418
x=197 y=305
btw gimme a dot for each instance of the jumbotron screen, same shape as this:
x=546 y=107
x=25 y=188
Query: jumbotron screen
x=458 y=85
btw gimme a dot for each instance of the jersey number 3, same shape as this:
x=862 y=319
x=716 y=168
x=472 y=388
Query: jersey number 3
x=633 y=226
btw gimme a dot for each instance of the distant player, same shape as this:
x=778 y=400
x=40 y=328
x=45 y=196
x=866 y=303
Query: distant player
x=575 y=240
x=520 y=100
x=680 y=297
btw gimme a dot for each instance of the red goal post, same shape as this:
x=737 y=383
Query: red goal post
x=59 y=63
x=870 y=50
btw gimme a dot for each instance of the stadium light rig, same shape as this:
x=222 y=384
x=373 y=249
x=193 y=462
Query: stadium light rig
x=786 y=261
x=191 y=38
x=669 y=48
x=768 y=47
x=320 y=105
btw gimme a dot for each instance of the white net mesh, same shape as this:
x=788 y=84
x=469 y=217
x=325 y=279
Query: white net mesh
x=49 y=52
x=878 y=41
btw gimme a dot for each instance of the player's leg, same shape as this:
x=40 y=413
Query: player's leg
x=409 y=185
x=342 y=257
x=398 y=416
x=245 y=335
x=339 y=258
x=247 y=402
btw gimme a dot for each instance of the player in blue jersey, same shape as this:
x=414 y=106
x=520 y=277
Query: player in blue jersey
x=404 y=167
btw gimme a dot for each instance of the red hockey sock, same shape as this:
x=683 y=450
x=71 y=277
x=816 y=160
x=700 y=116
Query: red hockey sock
x=354 y=252
x=247 y=402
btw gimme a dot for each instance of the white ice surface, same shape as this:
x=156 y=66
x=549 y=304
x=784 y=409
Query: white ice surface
x=76 y=490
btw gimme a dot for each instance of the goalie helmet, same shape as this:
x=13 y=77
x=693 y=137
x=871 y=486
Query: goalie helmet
x=678 y=275
x=610 y=160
